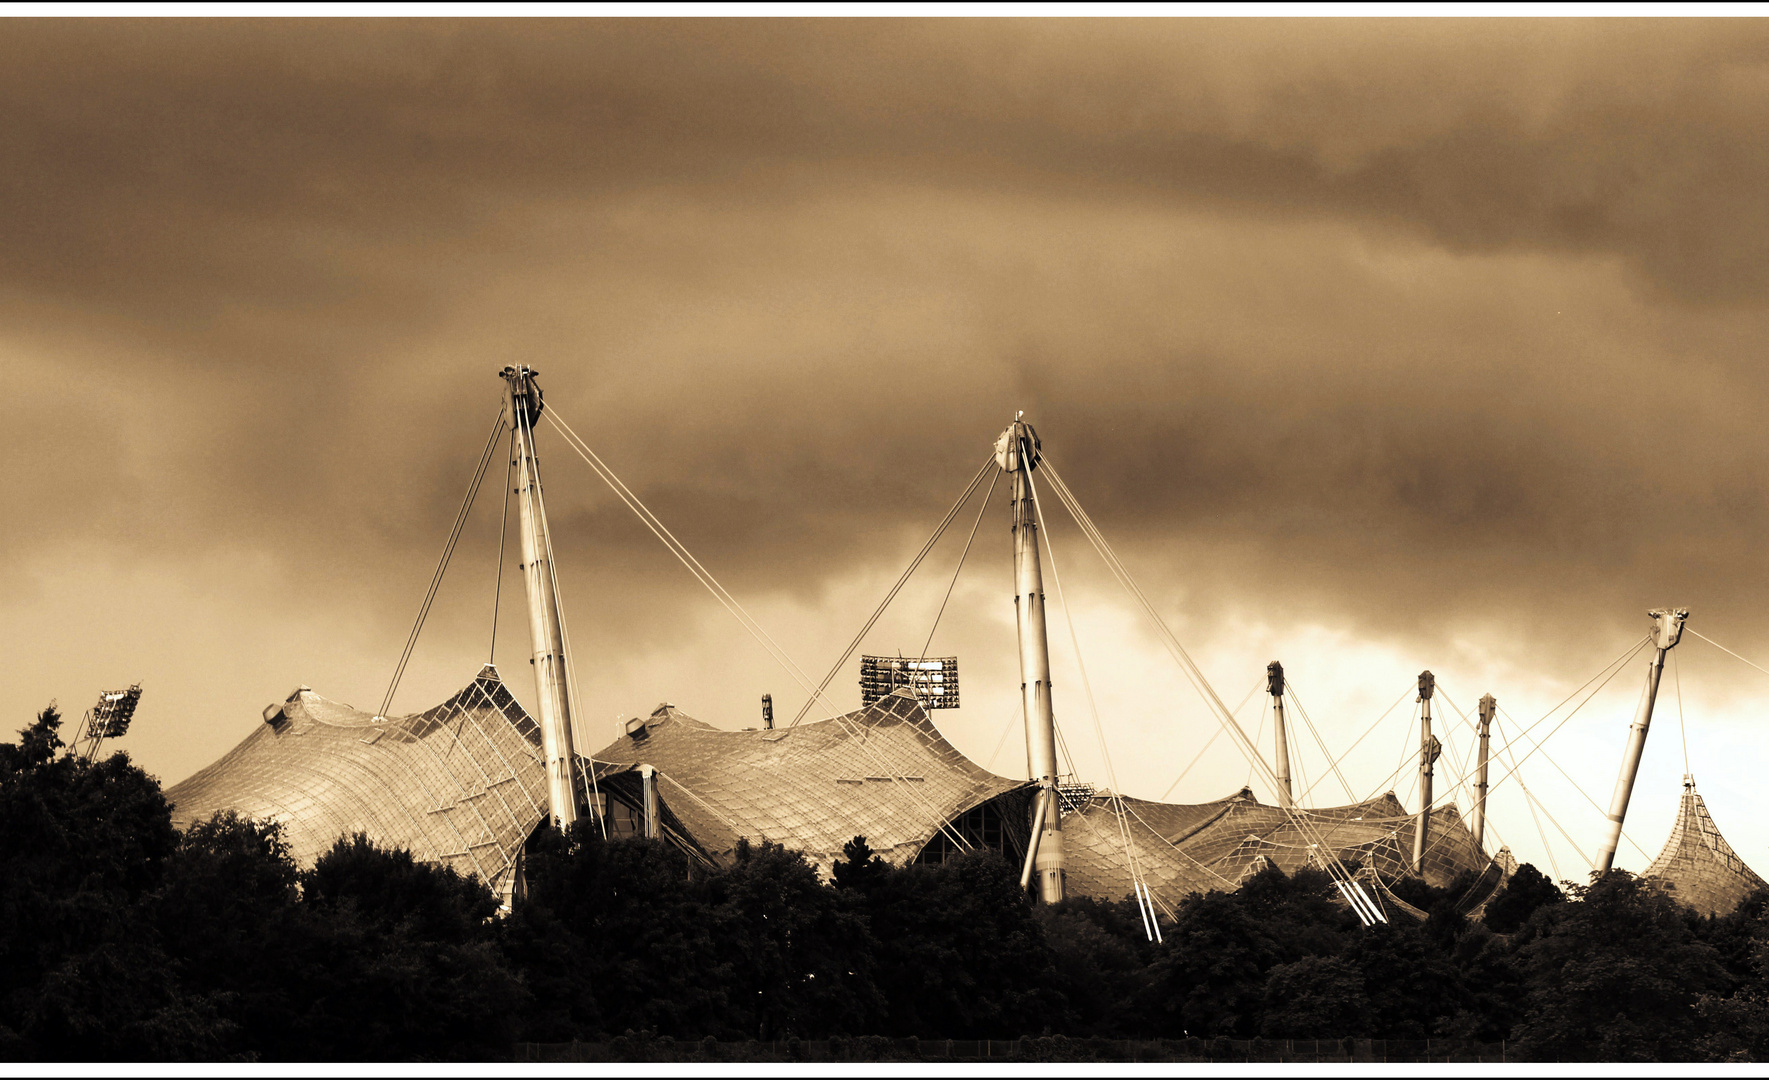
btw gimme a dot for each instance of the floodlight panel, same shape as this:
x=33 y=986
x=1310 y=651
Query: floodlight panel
x=934 y=679
x=115 y=708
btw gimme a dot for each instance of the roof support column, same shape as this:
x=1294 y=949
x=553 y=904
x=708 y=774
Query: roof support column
x=1016 y=451
x=648 y=784
x=522 y=403
x=1488 y=707
x=1274 y=682
x=1667 y=629
x=1429 y=748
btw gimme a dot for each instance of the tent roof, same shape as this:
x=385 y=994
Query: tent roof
x=461 y=784
x=884 y=772
x=1698 y=865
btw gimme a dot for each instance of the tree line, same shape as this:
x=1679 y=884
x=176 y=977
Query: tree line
x=122 y=938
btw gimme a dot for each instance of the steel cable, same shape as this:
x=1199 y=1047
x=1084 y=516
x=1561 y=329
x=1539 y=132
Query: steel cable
x=693 y=565
x=448 y=550
x=914 y=563
x=1327 y=859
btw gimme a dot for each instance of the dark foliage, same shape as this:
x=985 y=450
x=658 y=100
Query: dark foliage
x=629 y=935
x=121 y=939
x=1527 y=890
x=1617 y=976
x=1101 y=952
x=958 y=951
x=82 y=845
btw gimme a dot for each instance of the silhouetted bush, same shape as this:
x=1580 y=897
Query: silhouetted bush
x=122 y=939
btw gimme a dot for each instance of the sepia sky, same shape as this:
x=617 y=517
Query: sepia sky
x=1371 y=345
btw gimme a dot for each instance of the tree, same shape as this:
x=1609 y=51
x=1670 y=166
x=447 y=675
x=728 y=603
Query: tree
x=228 y=915
x=1101 y=953
x=801 y=952
x=1527 y=890
x=1616 y=976
x=959 y=953
x=397 y=960
x=1208 y=978
x=1736 y=1028
x=618 y=934
x=82 y=974
x=1316 y=997
x=858 y=869
x=1411 y=982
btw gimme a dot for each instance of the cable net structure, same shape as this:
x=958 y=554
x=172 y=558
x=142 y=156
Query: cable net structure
x=1697 y=865
x=812 y=788
x=1185 y=848
x=883 y=772
x=466 y=783
x=462 y=784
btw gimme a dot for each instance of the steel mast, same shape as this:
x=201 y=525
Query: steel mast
x=1429 y=748
x=1667 y=628
x=522 y=404
x=1488 y=708
x=1274 y=683
x=1016 y=451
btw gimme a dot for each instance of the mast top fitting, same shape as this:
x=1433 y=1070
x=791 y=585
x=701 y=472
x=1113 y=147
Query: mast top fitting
x=525 y=394
x=1667 y=626
x=1274 y=679
x=1427 y=684
x=1009 y=445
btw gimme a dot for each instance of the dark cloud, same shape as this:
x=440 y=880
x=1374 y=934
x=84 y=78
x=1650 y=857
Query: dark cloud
x=1431 y=329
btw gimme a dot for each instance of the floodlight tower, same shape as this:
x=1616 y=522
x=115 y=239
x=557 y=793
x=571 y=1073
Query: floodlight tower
x=1429 y=748
x=109 y=719
x=522 y=407
x=1016 y=451
x=1274 y=684
x=1667 y=630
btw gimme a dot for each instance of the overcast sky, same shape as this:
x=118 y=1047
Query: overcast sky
x=1372 y=345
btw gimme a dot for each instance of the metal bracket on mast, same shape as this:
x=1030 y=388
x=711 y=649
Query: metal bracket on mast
x=1667 y=630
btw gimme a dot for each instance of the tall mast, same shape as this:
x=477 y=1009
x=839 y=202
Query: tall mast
x=1429 y=748
x=1667 y=628
x=522 y=405
x=1274 y=682
x=1488 y=707
x=1016 y=451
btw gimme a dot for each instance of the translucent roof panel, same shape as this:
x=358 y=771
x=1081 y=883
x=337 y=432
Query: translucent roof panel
x=884 y=772
x=464 y=784
x=1697 y=865
x=461 y=784
x=1204 y=846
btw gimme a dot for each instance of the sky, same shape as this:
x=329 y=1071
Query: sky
x=1371 y=345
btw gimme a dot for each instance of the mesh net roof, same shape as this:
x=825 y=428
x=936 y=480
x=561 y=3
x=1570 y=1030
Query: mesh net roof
x=461 y=784
x=884 y=772
x=1198 y=847
x=464 y=784
x=1697 y=865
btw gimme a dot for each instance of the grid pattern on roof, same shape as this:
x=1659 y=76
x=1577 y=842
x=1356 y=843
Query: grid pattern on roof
x=1196 y=848
x=463 y=784
x=884 y=772
x=1698 y=866
x=460 y=784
